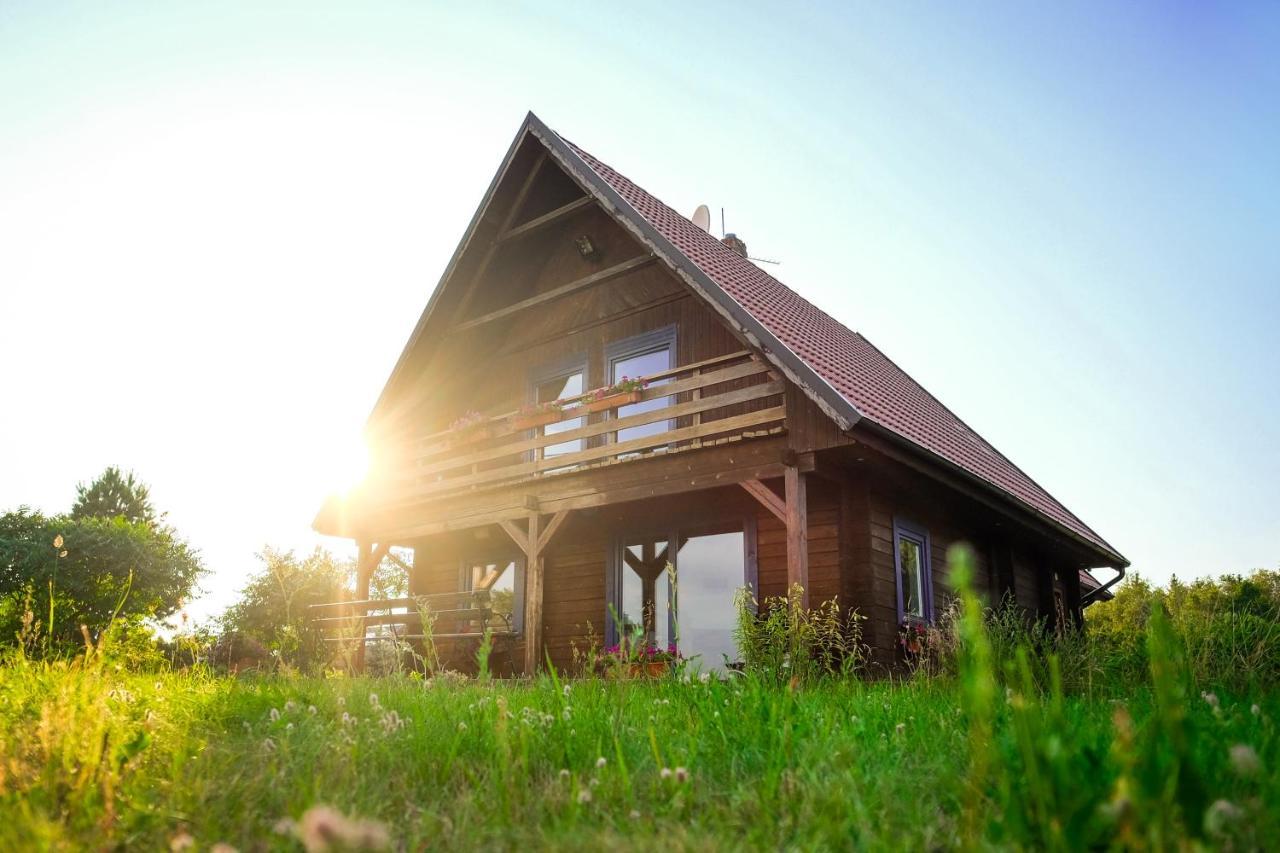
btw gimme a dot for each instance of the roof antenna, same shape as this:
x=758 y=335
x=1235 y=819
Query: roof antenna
x=722 y=223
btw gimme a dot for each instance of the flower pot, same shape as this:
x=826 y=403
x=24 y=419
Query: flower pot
x=470 y=435
x=537 y=419
x=648 y=669
x=612 y=401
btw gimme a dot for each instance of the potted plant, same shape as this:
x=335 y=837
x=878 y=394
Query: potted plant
x=913 y=637
x=533 y=415
x=621 y=393
x=471 y=426
x=639 y=660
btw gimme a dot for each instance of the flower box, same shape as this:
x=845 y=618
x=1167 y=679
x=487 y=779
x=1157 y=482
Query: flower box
x=535 y=419
x=649 y=669
x=470 y=434
x=602 y=404
x=637 y=669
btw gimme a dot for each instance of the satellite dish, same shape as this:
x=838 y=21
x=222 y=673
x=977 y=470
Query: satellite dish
x=702 y=217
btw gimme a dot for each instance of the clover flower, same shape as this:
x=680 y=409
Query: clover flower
x=1244 y=761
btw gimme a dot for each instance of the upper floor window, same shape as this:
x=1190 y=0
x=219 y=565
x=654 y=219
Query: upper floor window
x=911 y=564
x=638 y=357
x=557 y=388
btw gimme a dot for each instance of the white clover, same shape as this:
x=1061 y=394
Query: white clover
x=601 y=762
x=1244 y=761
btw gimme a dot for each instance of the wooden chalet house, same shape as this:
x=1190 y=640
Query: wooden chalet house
x=765 y=444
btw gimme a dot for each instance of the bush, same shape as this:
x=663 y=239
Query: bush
x=784 y=641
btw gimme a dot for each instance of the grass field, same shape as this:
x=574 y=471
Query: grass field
x=95 y=757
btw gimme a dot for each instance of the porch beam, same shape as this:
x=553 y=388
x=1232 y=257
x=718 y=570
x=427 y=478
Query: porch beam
x=797 y=531
x=557 y=293
x=540 y=222
x=767 y=497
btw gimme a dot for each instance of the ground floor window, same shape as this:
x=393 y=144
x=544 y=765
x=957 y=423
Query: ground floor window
x=676 y=588
x=503 y=578
x=911 y=564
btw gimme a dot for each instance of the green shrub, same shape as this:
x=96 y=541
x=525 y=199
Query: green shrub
x=781 y=640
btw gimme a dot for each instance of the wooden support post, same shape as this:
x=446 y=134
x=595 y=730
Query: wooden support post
x=797 y=531
x=533 y=541
x=369 y=556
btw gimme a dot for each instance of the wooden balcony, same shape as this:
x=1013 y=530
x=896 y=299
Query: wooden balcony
x=711 y=403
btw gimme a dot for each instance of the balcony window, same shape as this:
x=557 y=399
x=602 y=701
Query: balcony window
x=638 y=357
x=558 y=388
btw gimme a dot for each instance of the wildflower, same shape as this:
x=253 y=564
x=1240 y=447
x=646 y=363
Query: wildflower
x=635 y=814
x=1211 y=699
x=181 y=841
x=311 y=709
x=1244 y=760
x=900 y=728
x=223 y=847
x=323 y=828
x=1220 y=816
x=275 y=714
x=289 y=727
x=705 y=677
x=291 y=706
x=584 y=795
x=665 y=773
x=601 y=762
x=62 y=553
x=285 y=826
x=1255 y=710
x=594 y=782
x=462 y=727
x=564 y=773
x=57 y=542
x=348 y=720
x=342 y=701
x=682 y=775
x=268 y=745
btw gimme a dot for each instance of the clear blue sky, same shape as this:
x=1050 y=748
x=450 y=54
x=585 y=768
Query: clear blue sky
x=219 y=222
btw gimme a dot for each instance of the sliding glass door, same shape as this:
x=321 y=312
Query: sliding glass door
x=681 y=596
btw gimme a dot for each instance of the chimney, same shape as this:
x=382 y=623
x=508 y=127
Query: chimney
x=731 y=240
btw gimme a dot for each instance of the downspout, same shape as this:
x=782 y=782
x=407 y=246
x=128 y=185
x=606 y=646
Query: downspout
x=1086 y=600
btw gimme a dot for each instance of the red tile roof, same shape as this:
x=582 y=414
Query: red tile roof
x=875 y=386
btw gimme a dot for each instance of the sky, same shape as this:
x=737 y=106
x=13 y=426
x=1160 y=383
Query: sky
x=219 y=223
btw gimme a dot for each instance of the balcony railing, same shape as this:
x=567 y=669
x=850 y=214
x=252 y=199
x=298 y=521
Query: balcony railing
x=712 y=402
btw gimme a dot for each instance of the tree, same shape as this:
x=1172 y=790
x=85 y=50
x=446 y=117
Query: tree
x=115 y=494
x=92 y=566
x=273 y=606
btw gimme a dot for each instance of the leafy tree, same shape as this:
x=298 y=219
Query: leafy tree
x=273 y=606
x=92 y=566
x=115 y=494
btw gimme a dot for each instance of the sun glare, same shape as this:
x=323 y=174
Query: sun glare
x=350 y=467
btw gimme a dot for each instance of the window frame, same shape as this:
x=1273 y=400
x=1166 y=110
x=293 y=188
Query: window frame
x=499 y=555
x=744 y=522
x=904 y=529
x=636 y=345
